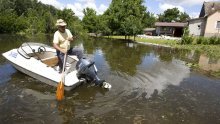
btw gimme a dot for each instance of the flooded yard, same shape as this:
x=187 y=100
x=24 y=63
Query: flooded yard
x=150 y=85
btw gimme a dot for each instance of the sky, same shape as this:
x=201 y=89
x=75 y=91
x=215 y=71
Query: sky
x=191 y=7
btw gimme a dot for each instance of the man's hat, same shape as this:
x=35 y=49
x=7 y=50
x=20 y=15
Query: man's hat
x=60 y=22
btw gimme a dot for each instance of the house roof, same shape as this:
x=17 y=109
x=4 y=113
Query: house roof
x=194 y=19
x=170 y=24
x=149 y=29
x=209 y=8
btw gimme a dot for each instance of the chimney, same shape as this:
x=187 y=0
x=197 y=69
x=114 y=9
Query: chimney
x=213 y=6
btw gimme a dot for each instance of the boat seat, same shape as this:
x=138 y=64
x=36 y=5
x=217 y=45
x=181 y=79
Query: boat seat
x=51 y=61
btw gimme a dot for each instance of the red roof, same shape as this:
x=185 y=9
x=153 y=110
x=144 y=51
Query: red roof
x=170 y=24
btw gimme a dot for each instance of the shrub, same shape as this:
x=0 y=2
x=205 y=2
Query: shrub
x=212 y=40
x=10 y=22
x=187 y=40
x=205 y=41
x=199 y=40
x=217 y=41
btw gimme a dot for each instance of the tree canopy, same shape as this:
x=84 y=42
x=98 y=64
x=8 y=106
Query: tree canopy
x=31 y=16
x=123 y=17
x=90 y=19
x=126 y=17
x=173 y=14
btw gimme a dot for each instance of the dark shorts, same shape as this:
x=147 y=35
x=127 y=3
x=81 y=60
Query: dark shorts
x=72 y=51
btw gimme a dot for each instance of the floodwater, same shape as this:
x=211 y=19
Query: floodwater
x=150 y=85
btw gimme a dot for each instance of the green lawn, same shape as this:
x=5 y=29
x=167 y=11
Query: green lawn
x=155 y=41
x=210 y=50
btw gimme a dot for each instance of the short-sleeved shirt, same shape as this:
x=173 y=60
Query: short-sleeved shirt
x=59 y=38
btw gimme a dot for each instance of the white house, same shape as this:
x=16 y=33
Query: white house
x=208 y=23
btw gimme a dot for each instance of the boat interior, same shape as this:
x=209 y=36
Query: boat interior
x=39 y=52
x=50 y=59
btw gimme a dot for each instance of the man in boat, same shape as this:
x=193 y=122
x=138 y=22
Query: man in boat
x=61 y=42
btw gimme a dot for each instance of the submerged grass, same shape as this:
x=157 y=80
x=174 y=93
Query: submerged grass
x=212 y=51
x=209 y=50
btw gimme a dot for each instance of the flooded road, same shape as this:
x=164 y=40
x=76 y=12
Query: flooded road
x=150 y=85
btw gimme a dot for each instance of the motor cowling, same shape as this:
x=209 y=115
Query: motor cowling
x=87 y=69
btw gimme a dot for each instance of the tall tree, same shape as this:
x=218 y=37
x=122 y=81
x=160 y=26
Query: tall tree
x=34 y=17
x=89 y=20
x=170 y=15
x=11 y=23
x=149 y=20
x=173 y=14
x=49 y=24
x=126 y=16
x=35 y=22
x=183 y=17
x=113 y=15
x=105 y=28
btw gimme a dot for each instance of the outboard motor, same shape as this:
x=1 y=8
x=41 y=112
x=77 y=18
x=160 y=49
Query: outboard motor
x=87 y=69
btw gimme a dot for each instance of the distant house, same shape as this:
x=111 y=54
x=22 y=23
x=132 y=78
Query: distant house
x=174 y=29
x=208 y=23
x=149 y=31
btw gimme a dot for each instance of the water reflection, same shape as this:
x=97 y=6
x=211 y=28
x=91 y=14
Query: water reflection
x=6 y=72
x=209 y=64
x=150 y=85
x=159 y=75
x=119 y=55
x=139 y=68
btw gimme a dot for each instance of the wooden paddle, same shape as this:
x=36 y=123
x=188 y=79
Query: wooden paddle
x=60 y=86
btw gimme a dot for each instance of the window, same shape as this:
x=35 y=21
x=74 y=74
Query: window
x=199 y=26
x=218 y=25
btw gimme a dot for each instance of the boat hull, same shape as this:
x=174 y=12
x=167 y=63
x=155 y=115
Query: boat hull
x=40 y=71
x=44 y=79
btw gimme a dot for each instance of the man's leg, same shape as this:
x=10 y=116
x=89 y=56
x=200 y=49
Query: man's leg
x=60 y=60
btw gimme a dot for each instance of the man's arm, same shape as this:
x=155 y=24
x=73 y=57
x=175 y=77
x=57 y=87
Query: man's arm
x=60 y=49
x=70 y=36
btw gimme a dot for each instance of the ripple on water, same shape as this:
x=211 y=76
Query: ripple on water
x=157 y=77
x=143 y=84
